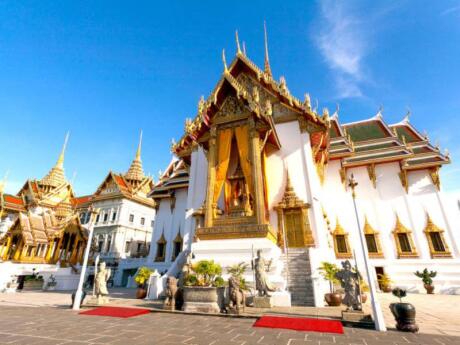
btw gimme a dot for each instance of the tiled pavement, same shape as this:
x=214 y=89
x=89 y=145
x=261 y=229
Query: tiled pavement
x=45 y=325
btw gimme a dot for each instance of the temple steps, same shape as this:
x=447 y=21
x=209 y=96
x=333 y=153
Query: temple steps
x=299 y=284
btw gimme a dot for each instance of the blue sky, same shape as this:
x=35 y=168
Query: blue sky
x=103 y=70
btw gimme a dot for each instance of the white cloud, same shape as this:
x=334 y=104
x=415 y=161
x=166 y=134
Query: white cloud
x=450 y=10
x=343 y=45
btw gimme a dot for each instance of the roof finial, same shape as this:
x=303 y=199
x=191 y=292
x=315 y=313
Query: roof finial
x=60 y=161
x=224 y=60
x=244 y=48
x=406 y=117
x=267 y=61
x=379 y=114
x=139 y=147
x=237 y=42
x=3 y=181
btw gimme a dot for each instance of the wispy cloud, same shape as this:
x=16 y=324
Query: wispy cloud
x=451 y=10
x=343 y=45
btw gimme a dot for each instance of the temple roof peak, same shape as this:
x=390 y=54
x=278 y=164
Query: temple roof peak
x=267 y=68
x=56 y=175
x=136 y=172
x=238 y=48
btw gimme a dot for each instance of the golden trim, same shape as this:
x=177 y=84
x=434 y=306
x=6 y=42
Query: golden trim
x=434 y=174
x=339 y=230
x=372 y=175
x=433 y=228
x=401 y=229
x=162 y=241
x=369 y=230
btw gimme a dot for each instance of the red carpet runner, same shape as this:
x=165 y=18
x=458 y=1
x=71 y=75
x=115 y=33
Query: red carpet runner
x=116 y=312
x=300 y=324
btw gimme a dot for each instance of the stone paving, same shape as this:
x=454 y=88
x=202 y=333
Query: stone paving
x=50 y=326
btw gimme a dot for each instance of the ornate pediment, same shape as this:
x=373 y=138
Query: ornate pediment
x=290 y=199
x=232 y=109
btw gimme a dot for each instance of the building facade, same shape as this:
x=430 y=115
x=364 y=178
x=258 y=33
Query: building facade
x=267 y=171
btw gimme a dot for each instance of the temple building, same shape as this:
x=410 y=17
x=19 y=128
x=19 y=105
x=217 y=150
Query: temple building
x=41 y=228
x=257 y=168
x=123 y=227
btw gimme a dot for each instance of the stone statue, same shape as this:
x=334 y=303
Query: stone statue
x=263 y=286
x=171 y=292
x=349 y=280
x=237 y=299
x=101 y=279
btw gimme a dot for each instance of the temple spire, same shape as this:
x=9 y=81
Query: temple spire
x=56 y=175
x=136 y=172
x=267 y=61
x=224 y=60
x=238 y=48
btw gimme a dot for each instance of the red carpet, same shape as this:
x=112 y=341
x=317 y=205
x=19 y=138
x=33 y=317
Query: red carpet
x=116 y=312
x=300 y=324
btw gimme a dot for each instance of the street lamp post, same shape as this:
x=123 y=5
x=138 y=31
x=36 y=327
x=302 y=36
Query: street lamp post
x=376 y=309
x=78 y=294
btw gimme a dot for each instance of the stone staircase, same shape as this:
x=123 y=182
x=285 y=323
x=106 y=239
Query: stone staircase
x=299 y=284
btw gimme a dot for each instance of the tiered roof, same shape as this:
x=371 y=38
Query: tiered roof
x=174 y=177
x=373 y=141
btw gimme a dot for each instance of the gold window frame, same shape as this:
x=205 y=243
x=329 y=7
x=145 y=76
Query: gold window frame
x=401 y=229
x=177 y=239
x=161 y=240
x=431 y=227
x=339 y=230
x=369 y=230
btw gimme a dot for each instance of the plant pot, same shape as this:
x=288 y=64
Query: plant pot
x=333 y=299
x=141 y=293
x=386 y=288
x=363 y=298
x=429 y=289
x=404 y=314
x=33 y=285
x=200 y=299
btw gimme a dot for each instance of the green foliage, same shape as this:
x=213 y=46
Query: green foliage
x=218 y=282
x=400 y=293
x=191 y=280
x=328 y=271
x=384 y=279
x=426 y=276
x=142 y=276
x=206 y=272
x=237 y=271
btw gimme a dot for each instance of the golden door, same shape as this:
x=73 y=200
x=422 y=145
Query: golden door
x=294 y=229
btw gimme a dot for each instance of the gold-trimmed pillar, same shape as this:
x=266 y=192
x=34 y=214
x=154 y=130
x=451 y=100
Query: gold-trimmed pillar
x=210 y=204
x=256 y=161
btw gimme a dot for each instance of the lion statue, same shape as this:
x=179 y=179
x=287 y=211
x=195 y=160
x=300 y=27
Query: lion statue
x=171 y=292
x=237 y=299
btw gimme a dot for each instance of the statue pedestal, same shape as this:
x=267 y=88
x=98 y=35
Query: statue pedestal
x=357 y=316
x=277 y=299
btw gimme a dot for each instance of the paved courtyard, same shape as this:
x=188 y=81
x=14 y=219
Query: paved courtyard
x=51 y=325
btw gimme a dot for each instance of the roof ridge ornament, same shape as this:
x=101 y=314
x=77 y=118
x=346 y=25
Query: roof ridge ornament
x=406 y=117
x=238 y=49
x=379 y=115
x=224 y=60
x=307 y=102
x=267 y=68
x=244 y=48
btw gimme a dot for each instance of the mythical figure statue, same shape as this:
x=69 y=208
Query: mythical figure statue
x=237 y=299
x=349 y=280
x=263 y=286
x=171 y=292
x=101 y=279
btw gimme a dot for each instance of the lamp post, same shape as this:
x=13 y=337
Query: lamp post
x=77 y=300
x=376 y=309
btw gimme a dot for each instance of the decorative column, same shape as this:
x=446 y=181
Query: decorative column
x=257 y=172
x=50 y=251
x=6 y=249
x=210 y=203
x=58 y=249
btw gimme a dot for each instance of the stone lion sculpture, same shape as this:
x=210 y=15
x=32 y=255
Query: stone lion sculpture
x=237 y=299
x=171 y=293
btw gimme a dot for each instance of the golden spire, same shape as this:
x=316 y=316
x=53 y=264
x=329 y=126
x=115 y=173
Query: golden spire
x=56 y=175
x=136 y=172
x=237 y=43
x=224 y=60
x=267 y=61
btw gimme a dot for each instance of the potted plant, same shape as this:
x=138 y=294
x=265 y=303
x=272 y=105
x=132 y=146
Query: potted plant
x=51 y=283
x=201 y=287
x=384 y=281
x=142 y=277
x=328 y=271
x=363 y=287
x=33 y=282
x=427 y=280
x=404 y=313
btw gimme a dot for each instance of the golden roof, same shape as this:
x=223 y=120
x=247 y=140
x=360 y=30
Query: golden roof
x=135 y=171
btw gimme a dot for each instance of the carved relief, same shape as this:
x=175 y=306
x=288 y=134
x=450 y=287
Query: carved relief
x=372 y=175
x=231 y=109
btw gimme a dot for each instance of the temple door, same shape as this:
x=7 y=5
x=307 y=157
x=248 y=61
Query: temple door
x=293 y=228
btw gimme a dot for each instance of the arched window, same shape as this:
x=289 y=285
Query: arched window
x=341 y=245
x=436 y=240
x=372 y=240
x=404 y=242
x=177 y=246
x=161 y=249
